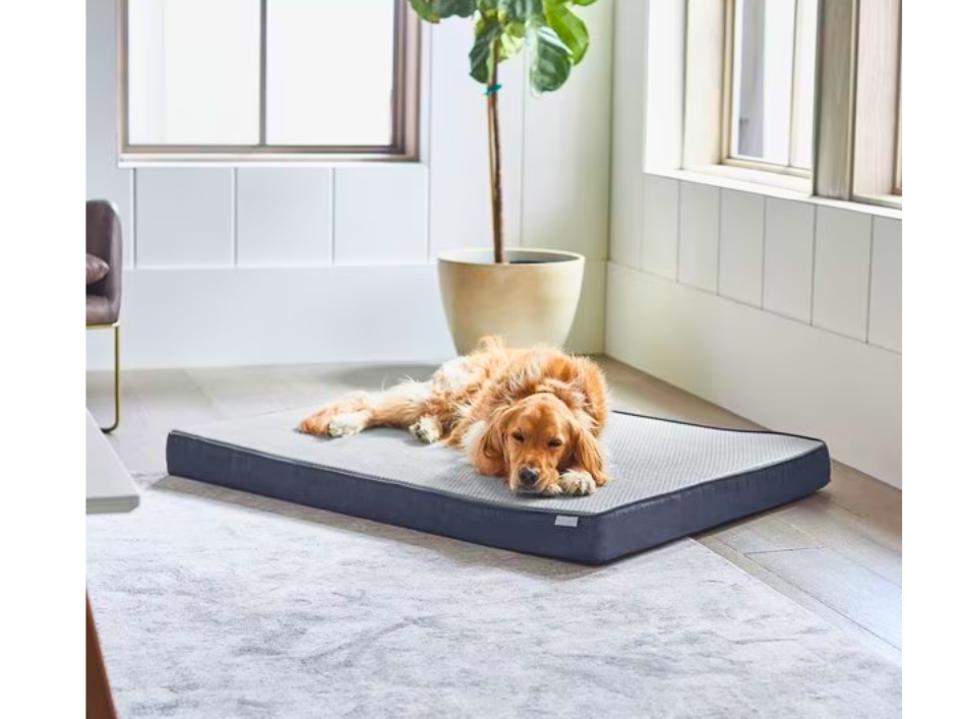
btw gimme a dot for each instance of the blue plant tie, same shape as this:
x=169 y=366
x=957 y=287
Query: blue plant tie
x=493 y=89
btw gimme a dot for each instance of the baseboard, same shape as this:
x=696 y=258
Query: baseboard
x=218 y=317
x=780 y=373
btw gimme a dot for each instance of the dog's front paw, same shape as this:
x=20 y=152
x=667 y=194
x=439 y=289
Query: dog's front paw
x=426 y=430
x=343 y=425
x=577 y=483
x=552 y=490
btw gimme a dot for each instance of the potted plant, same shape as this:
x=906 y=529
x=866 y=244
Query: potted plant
x=525 y=295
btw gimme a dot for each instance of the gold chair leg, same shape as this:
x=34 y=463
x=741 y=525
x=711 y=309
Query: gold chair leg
x=116 y=381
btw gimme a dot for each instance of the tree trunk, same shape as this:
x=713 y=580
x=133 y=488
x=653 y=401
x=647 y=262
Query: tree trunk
x=495 y=169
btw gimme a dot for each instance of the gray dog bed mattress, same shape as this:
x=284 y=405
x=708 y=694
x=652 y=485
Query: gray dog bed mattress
x=667 y=479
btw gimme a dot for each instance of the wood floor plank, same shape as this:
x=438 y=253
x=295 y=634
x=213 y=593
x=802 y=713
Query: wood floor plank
x=867 y=498
x=832 y=526
x=842 y=584
x=804 y=599
x=765 y=533
x=154 y=402
x=237 y=391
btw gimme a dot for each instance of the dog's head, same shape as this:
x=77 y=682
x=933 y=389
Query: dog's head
x=532 y=442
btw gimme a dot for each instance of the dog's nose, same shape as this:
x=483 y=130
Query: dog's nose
x=528 y=476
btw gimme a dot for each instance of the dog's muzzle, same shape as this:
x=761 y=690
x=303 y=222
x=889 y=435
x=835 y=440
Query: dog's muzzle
x=528 y=477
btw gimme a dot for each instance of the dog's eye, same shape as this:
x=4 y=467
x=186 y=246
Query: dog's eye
x=518 y=437
x=555 y=443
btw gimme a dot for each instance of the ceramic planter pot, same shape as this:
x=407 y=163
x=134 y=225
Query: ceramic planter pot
x=531 y=300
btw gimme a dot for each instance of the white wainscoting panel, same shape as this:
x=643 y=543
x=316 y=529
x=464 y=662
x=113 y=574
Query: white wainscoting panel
x=699 y=235
x=566 y=184
x=459 y=164
x=629 y=113
x=380 y=215
x=233 y=316
x=841 y=281
x=184 y=217
x=885 y=302
x=284 y=216
x=104 y=179
x=660 y=226
x=246 y=316
x=780 y=373
x=790 y=232
x=741 y=246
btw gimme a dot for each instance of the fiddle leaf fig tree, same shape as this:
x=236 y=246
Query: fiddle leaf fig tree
x=555 y=37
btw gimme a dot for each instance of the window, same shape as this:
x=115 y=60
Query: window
x=771 y=84
x=268 y=79
x=802 y=94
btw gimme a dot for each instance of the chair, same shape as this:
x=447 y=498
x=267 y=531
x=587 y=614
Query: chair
x=105 y=240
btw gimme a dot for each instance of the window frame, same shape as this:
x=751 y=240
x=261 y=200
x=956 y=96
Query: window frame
x=405 y=110
x=706 y=110
x=851 y=107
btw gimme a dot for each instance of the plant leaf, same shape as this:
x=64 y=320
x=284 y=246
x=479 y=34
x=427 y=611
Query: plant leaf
x=522 y=11
x=571 y=30
x=488 y=34
x=551 y=60
x=436 y=10
x=583 y=2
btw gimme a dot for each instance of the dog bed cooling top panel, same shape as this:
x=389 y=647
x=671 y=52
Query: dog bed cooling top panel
x=667 y=479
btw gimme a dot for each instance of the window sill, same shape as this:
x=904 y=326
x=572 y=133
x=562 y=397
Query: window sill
x=135 y=160
x=890 y=201
x=770 y=184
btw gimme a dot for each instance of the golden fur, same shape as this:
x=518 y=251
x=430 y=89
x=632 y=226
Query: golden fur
x=531 y=417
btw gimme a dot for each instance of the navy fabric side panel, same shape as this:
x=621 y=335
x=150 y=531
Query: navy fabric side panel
x=662 y=519
x=597 y=539
x=459 y=518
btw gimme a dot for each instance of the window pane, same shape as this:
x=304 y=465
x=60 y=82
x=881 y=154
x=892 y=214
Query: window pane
x=193 y=72
x=329 y=72
x=762 y=80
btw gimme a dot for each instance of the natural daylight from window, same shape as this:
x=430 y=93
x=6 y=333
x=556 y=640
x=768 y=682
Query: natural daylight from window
x=773 y=82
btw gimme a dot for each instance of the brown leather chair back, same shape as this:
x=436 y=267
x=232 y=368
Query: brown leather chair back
x=105 y=240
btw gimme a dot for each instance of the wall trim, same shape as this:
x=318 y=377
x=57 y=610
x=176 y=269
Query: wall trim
x=238 y=316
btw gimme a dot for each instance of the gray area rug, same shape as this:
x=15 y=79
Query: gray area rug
x=214 y=603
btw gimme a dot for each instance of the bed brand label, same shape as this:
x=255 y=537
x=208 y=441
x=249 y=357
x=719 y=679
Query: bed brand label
x=564 y=520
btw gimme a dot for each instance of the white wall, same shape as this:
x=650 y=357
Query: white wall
x=261 y=265
x=786 y=311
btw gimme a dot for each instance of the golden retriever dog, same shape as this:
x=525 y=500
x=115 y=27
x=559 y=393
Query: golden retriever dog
x=530 y=416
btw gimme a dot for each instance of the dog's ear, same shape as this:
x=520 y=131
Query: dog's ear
x=592 y=383
x=485 y=440
x=588 y=455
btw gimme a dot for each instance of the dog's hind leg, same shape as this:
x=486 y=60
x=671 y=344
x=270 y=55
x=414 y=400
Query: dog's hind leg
x=403 y=406
x=413 y=406
x=338 y=419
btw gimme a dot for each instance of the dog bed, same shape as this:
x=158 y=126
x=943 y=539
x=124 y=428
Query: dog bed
x=667 y=479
